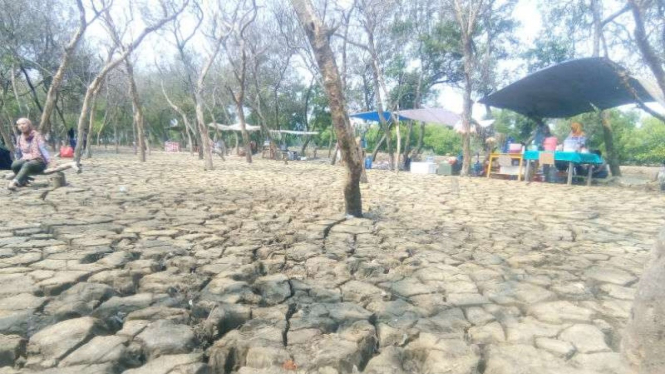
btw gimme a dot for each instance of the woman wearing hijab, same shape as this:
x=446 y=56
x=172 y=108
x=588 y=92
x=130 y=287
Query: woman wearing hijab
x=34 y=156
x=577 y=135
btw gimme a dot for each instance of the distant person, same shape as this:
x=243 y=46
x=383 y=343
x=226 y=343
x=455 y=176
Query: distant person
x=550 y=142
x=602 y=170
x=5 y=158
x=577 y=137
x=540 y=133
x=34 y=156
x=71 y=136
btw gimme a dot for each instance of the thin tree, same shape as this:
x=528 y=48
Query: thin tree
x=56 y=82
x=652 y=58
x=238 y=40
x=319 y=38
x=97 y=81
x=467 y=13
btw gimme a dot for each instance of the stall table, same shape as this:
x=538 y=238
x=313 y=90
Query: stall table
x=570 y=157
x=513 y=156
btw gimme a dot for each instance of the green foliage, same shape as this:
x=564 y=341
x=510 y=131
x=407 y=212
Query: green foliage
x=513 y=125
x=442 y=140
x=546 y=53
x=439 y=140
x=646 y=144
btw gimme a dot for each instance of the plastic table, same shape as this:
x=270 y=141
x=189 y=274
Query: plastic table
x=570 y=157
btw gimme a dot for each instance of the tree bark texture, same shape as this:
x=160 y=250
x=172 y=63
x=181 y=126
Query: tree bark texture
x=318 y=36
x=138 y=110
x=648 y=53
x=608 y=135
x=643 y=342
x=91 y=119
x=610 y=152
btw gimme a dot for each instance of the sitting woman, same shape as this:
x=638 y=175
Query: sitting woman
x=34 y=156
x=577 y=137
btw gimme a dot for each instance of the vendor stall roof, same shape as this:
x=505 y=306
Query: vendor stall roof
x=571 y=88
x=293 y=132
x=438 y=116
x=430 y=115
x=234 y=127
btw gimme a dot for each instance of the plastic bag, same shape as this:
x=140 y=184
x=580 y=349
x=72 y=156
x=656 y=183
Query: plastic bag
x=66 y=152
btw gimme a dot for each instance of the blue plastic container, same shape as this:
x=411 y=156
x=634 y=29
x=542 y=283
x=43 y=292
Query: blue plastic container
x=368 y=162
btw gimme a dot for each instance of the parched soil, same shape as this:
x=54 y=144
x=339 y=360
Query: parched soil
x=161 y=267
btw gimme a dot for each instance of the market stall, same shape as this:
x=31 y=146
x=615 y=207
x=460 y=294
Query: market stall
x=571 y=88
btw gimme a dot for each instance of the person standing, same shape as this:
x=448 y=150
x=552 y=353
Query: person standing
x=34 y=155
x=72 y=138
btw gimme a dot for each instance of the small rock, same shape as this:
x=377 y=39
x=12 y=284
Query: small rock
x=491 y=333
x=560 y=312
x=273 y=288
x=556 y=347
x=170 y=364
x=101 y=349
x=56 y=341
x=585 y=338
x=166 y=338
x=11 y=348
x=78 y=301
x=610 y=275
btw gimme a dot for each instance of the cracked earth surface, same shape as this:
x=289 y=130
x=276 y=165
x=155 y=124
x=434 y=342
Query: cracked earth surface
x=162 y=268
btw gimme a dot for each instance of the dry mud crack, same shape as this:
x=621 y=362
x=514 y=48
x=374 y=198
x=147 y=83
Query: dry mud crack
x=162 y=268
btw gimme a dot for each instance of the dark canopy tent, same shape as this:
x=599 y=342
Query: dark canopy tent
x=571 y=88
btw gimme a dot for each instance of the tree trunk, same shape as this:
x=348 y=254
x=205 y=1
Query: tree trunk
x=35 y=97
x=243 y=130
x=468 y=106
x=85 y=109
x=134 y=142
x=643 y=342
x=610 y=152
x=399 y=143
x=304 y=146
x=421 y=140
x=385 y=125
x=648 y=53
x=203 y=129
x=237 y=143
x=330 y=145
x=16 y=96
x=318 y=36
x=8 y=142
x=407 y=143
x=3 y=132
x=93 y=104
x=138 y=110
x=115 y=136
x=378 y=146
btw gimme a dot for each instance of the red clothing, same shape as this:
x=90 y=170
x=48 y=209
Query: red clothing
x=549 y=144
x=33 y=147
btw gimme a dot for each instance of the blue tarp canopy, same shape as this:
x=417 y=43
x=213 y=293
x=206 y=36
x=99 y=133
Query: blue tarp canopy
x=374 y=116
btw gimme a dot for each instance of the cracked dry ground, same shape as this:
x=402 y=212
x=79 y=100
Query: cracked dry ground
x=252 y=269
